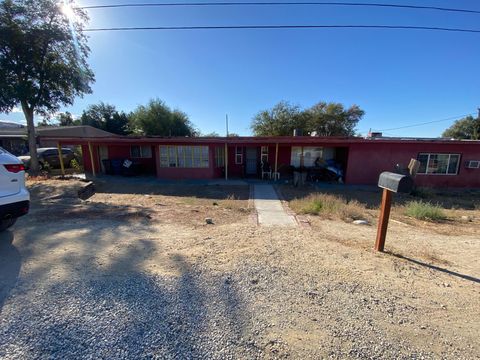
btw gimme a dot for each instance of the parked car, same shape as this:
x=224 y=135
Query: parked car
x=50 y=156
x=14 y=196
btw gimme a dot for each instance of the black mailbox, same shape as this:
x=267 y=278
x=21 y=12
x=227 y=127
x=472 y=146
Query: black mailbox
x=397 y=183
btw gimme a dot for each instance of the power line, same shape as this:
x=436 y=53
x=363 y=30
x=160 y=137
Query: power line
x=264 y=27
x=308 y=3
x=426 y=123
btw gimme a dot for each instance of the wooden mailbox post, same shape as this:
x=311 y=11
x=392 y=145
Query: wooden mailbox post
x=391 y=183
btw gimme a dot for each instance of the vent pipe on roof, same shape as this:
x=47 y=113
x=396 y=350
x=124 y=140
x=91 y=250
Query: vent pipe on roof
x=297 y=132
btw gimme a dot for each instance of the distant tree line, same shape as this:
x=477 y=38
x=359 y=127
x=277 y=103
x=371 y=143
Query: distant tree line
x=467 y=128
x=323 y=119
x=158 y=119
x=152 y=119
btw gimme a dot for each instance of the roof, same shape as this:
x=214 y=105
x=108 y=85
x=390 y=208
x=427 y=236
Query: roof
x=253 y=140
x=81 y=131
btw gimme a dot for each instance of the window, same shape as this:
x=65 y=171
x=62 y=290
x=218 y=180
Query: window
x=239 y=155
x=438 y=164
x=184 y=156
x=219 y=156
x=140 y=151
x=310 y=156
x=264 y=157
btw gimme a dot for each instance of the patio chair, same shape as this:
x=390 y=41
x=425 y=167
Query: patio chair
x=266 y=170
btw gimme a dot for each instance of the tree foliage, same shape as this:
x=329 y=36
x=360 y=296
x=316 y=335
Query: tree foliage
x=326 y=119
x=43 y=60
x=157 y=119
x=66 y=119
x=466 y=128
x=333 y=119
x=106 y=117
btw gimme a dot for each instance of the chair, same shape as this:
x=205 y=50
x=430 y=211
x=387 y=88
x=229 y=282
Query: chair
x=266 y=170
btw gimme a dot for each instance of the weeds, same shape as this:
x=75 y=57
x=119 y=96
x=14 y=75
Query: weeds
x=424 y=211
x=330 y=206
x=232 y=203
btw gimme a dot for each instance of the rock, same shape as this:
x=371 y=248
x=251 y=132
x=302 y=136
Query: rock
x=360 y=222
x=466 y=218
x=209 y=221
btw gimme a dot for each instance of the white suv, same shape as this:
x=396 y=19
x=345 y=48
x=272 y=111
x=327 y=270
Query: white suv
x=14 y=197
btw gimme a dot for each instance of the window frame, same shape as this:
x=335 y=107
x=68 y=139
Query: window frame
x=238 y=155
x=141 y=152
x=264 y=154
x=190 y=155
x=457 y=169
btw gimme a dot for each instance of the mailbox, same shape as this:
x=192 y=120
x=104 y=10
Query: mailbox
x=397 y=183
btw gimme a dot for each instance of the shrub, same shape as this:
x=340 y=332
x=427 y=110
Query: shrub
x=75 y=165
x=328 y=205
x=424 y=211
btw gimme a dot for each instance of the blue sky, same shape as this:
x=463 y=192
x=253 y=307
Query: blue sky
x=398 y=77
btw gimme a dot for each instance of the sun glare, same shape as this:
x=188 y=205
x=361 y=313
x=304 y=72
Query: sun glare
x=68 y=11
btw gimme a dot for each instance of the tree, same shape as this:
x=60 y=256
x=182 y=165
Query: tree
x=43 y=60
x=326 y=119
x=66 y=119
x=281 y=120
x=332 y=119
x=106 y=117
x=156 y=118
x=466 y=128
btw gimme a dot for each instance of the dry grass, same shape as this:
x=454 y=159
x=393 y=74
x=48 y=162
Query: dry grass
x=330 y=206
x=425 y=211
x=234 y=203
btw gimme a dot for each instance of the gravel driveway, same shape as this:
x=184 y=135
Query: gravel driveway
x=115 y=281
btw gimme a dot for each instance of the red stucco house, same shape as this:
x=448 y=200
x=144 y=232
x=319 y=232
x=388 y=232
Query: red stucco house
x=444 y=163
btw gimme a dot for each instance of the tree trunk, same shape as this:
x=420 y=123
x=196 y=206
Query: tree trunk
x=32 y=141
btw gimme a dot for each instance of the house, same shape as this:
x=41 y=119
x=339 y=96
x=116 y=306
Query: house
x=444 y=163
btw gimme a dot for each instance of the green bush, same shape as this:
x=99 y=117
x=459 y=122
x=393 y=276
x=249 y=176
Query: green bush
x=328 y=205
x=75 y=165
x=424 y=211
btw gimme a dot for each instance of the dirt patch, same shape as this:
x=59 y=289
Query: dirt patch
x=318 y=292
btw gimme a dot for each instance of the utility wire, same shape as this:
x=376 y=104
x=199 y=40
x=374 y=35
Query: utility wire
x=426 y=123
x=307 y=3
x=263 y=27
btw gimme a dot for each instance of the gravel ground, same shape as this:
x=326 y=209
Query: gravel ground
x=116 y=281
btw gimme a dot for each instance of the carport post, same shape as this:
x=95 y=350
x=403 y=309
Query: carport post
x=91 y=158
x=226 y=161
x=383 y=220
x=60 y=158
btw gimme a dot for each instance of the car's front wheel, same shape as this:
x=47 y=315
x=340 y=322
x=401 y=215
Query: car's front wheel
x=6 y=223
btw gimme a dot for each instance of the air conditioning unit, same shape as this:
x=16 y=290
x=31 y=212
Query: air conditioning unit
x=473 y=164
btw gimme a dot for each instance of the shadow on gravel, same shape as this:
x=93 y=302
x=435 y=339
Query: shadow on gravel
x=434 y=267
x=110 y=306
x=10 y=263
x=122 y=312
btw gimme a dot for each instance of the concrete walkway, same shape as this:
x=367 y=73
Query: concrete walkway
x=269 y=208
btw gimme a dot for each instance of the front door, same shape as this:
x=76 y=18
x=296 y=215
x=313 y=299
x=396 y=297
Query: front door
x=251 y=161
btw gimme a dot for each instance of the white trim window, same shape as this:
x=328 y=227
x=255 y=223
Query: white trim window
x=438 y=164
x=264 y=154
x=184 y=156
x=137 y=151
x=238 y=155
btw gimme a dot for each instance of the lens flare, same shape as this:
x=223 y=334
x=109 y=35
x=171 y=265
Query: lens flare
x=68 y=11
